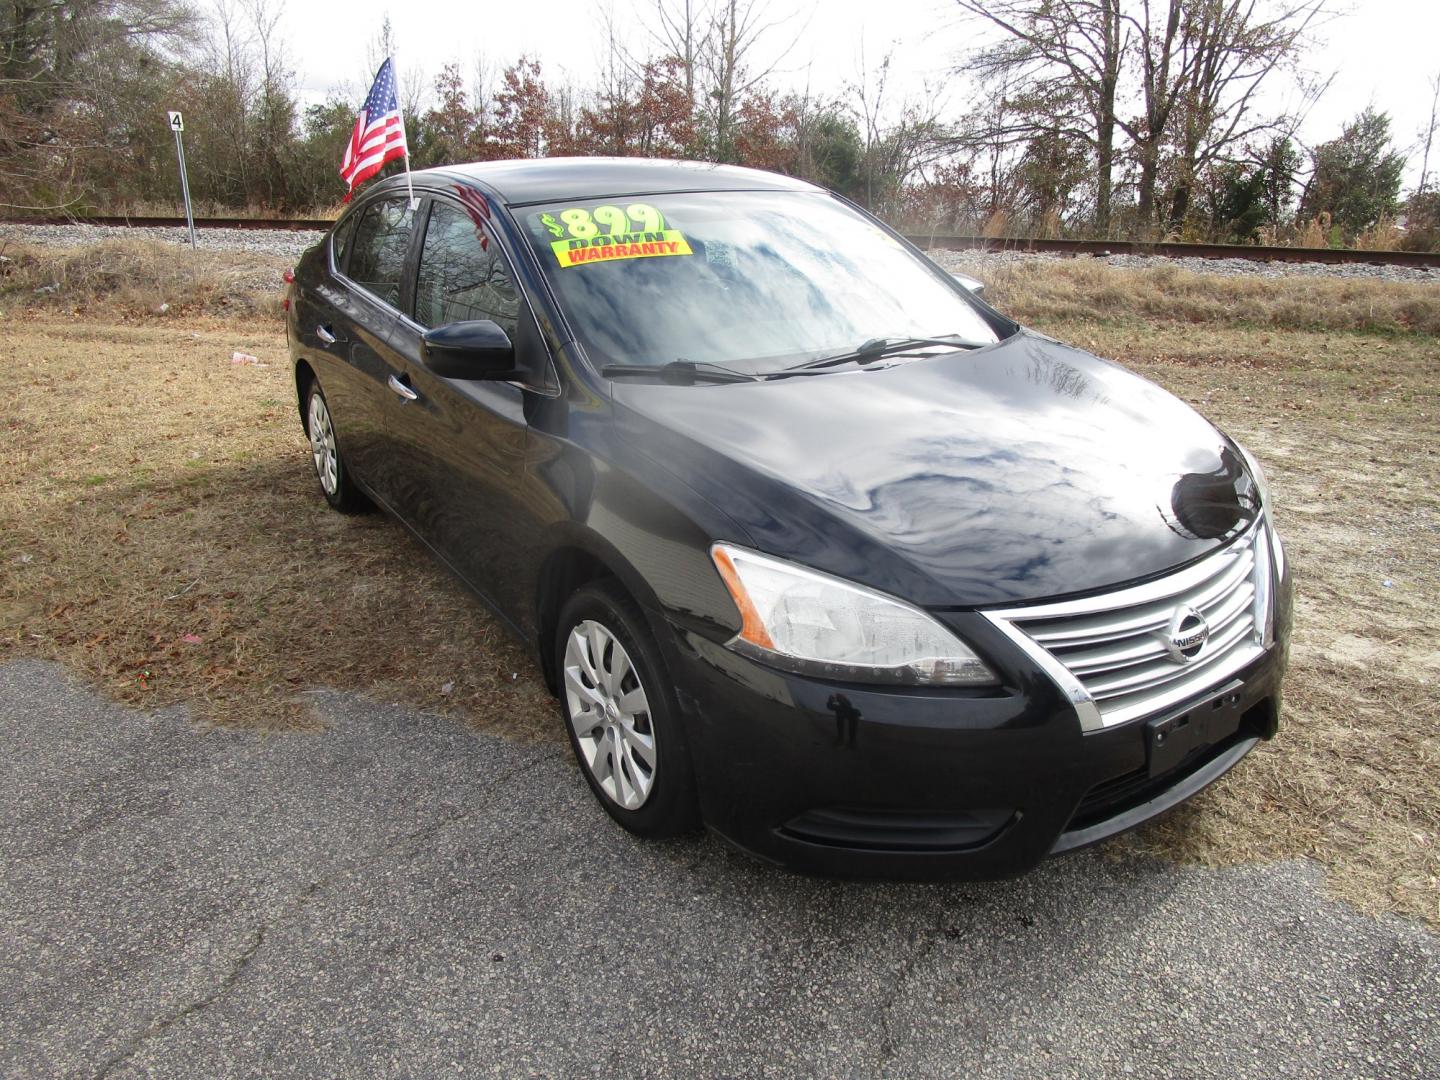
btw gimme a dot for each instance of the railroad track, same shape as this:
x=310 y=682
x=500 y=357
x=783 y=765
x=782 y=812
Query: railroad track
x=1337 y=256
x=1254 y=253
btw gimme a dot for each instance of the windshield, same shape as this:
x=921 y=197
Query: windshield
x=745 y=279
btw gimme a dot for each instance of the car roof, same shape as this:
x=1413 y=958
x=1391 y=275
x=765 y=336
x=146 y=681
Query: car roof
x=535 y=180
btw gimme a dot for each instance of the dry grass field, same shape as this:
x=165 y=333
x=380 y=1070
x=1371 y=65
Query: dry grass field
x=1050 y=293
x=164 y=538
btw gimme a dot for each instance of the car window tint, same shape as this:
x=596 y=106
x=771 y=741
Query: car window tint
x=462 y=274
x=340 y=243
x=382 y=238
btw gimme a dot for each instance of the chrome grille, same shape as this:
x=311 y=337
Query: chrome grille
x=1110 y=655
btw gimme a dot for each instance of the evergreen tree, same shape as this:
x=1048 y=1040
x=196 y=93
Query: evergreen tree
x=1356 y=178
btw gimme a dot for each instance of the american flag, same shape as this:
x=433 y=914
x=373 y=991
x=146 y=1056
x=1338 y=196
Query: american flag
x=478 y=209
x=379 y=134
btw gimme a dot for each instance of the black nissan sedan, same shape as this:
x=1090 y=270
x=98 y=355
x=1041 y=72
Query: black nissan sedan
x=813 y=546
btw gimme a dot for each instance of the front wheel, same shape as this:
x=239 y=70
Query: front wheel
x=620 y=713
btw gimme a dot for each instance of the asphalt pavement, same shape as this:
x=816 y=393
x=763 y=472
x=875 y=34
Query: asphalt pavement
x=399 y=896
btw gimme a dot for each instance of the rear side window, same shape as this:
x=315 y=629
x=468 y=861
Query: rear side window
x=377 y=260
x=340 y=243
x=462 y=274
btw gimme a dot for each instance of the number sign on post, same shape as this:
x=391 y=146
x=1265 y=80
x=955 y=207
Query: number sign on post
x=177 y=125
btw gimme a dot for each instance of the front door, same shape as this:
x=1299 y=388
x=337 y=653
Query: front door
x=459 y=445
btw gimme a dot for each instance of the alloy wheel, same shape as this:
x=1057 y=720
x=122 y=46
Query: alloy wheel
x=322 y=445
x=610 y=713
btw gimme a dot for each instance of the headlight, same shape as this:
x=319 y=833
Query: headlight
x=816 y=624
x=1262 y=486
x=1257 y=474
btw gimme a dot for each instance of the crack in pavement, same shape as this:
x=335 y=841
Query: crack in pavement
x=293 y=909
x=889 y=1048
x=231 y=977
x=946 y=925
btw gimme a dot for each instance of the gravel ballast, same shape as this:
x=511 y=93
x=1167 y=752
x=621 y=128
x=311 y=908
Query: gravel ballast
x=975 y=263
x=259 y=241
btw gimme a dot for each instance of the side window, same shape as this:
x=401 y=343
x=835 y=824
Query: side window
x=377 y=260
x=462 y=274
x=340 y=241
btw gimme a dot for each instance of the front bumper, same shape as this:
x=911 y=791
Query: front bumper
x=944 y=784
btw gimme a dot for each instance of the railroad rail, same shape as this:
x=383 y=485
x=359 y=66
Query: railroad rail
x=1100 y=248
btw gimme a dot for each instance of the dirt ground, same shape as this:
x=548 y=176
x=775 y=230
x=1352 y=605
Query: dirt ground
x=163 y=536
x=1348 y=428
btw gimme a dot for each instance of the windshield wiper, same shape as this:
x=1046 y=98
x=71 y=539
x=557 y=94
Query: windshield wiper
x=876 y=348
x=677 y=372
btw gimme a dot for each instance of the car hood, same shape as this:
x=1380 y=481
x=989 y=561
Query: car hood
x=1025 y=470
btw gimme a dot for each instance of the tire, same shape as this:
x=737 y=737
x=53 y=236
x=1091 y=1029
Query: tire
x=652 y=791
x=330 y=469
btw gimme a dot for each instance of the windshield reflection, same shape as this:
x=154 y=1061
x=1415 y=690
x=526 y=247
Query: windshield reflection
x=746 y=279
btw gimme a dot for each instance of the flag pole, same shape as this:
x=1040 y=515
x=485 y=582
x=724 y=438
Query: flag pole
x=400 y=108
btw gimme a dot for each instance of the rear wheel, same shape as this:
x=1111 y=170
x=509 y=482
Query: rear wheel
x=325 y=452
x=620 y=713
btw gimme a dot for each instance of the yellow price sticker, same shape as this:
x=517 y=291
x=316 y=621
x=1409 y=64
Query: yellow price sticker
x=607 y=233
x=612 y=246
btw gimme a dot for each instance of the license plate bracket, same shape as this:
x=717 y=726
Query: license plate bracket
x=1169 y=740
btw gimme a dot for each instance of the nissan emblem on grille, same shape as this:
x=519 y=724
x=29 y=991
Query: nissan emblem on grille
x=1143 y=648
x=1186 y=635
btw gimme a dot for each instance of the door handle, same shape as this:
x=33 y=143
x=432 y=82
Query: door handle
x=325 y=334
x=407 y=393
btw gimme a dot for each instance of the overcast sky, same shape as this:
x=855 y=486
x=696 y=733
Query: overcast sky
x=1382 y=53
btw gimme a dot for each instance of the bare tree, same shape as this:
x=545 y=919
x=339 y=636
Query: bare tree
x=1428 y=134
x=1201 y=69
x=1058 y=70
x=78 y=83
x=614 y=91
x=682 y=30
x=897 y=138
x=482 y=96
x=869 y=97
x=995 y=150
x=410 y=82
x=225 y=105
x=727 y=55
x=275 y=122
x=379 y=48
x=1178 y=79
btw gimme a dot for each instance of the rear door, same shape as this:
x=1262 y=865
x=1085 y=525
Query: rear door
x=355 y=323
x=461 y=444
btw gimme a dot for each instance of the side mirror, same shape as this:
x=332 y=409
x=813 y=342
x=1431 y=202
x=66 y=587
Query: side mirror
x=476 y=349
x=969 y=283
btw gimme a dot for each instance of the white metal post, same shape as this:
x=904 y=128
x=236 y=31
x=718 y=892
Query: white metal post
x=177 y=125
